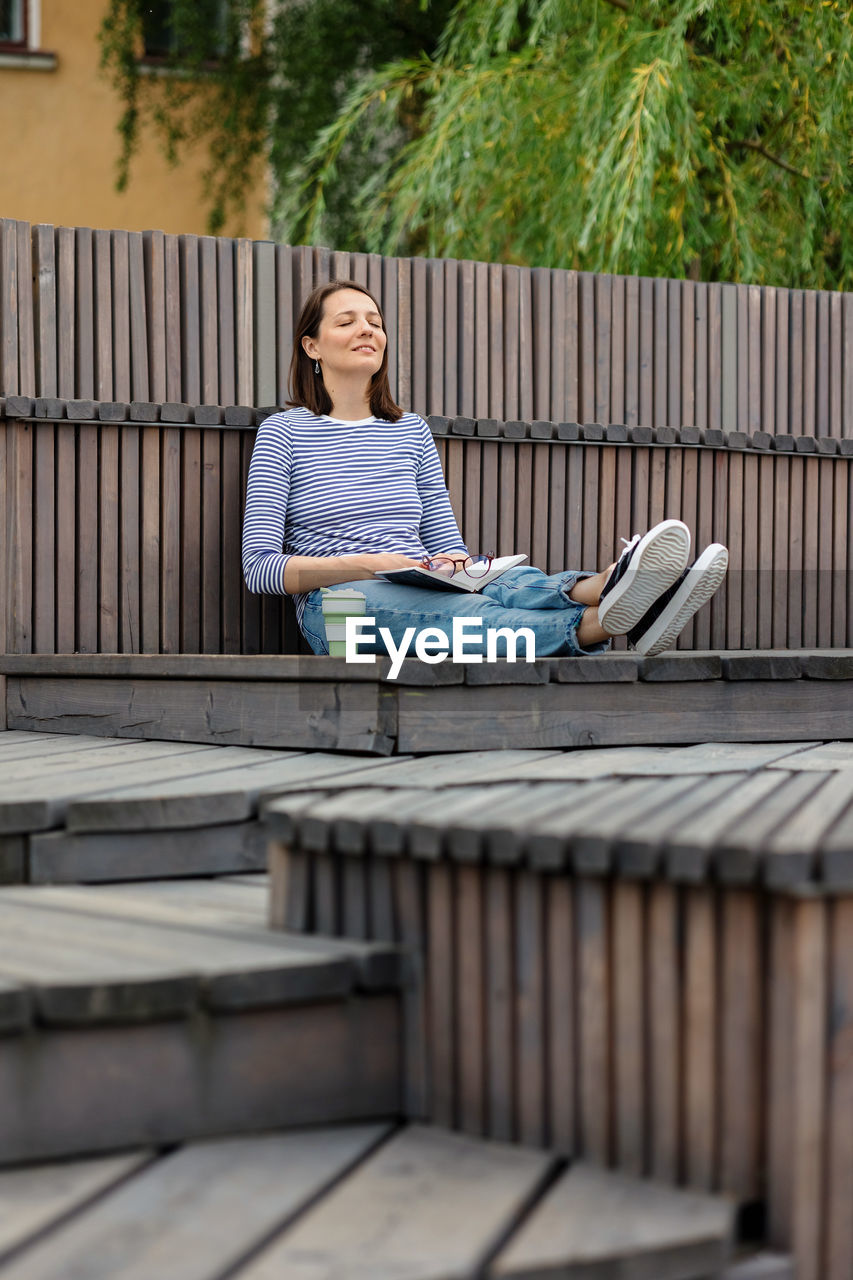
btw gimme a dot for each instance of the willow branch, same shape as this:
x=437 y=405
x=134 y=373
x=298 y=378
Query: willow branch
x=768 y=155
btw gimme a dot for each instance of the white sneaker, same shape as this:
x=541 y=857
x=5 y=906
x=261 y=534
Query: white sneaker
x=668 y=616
x=647 y=567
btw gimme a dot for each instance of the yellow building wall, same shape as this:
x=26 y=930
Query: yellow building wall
x=60 y=145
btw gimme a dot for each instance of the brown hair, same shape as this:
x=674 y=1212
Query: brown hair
x=305 y=386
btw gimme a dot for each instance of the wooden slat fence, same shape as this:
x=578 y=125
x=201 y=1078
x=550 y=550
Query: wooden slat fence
x=117 y=315
x=124 y=536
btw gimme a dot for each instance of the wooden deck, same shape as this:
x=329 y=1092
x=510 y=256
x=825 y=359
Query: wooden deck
x=364 y=1202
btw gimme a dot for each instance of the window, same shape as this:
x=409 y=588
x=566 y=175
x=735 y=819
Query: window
x=13 y=24
x=169 y=32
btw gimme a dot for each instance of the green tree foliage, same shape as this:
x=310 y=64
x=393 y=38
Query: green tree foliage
x=709 y=138
x=253 y=79
x=671 y=137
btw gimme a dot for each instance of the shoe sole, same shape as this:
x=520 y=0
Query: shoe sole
x=659 y=560
x=703 y=579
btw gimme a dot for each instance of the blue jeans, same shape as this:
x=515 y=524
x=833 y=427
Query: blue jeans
x=521 y=597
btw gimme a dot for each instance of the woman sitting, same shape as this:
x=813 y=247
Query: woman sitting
x=344 y=485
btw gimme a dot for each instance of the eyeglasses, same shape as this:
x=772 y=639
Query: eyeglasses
x=474 y=566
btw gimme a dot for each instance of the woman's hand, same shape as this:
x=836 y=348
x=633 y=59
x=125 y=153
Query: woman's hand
x=381 y=561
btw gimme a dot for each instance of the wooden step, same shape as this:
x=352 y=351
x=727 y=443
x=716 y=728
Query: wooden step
x=325 y=704
x=356 y=1203
x=83 y=808
x=125 y=1025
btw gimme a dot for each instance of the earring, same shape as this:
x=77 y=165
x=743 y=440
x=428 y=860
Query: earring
x=316 y=366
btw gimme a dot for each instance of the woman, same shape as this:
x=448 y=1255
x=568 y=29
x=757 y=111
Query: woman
x=344 y=484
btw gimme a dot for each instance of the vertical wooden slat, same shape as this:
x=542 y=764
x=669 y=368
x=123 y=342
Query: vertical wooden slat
x=809 y=1086
x=449 y=404
x=191 y=330
x=191 y=535
x=834 y=427
x=780 y=1071
x=796 y=384
x=840 y=555
x=154 y=259
x=794 y=579
x=480 y=320
x=404 y=332
x=209 y=321
x=706 y=373
x=419 y=337
x=84 y=317
x=174 y=318
x=586 y=347
x=499 y=970
x=389 y=307
x=122 y=378
x=285 y=322
x=824 y=534
x=664 y=1075
x=139 y=383
x=102 y=277
x=150 y=540
x=768 y=361
x=647 y=353
x=524 y=346
x=18 y=539
x=660 y=415
x=496 y=347
x=433 y=338
x=441 y=978
x=467 y=335
x=765 y=570
x=130 y=638
x=86 y=501
x=530 y=1008
x=689 y=338
x=470 y=1009
x=742 y=421
x=813 y=532
x=753 y=421
x=572 y=349
x=741 y=1097
x=44 y=301
x=170 y=534
x=847 y=366
x=211 y=542
x=729 y=355
x=632 y=351
x=715 y=355
x=541 y=345
x=593 y=943
x=782 y=411
x=263 y=276
x=839 y=1119
x=108 y=541
x=617 y=349
x=44 y=535
x=810 y=368
x=629 y=1022
x=560 y=1015
x=225 y=296
x=700 y=1037
x=674 y=353
x=511 y=406
x=410 y=911
x=231 y=590
x=603 y=304
x=9 y=291
x=66 y=543
x=250 y=603
x=26 y=327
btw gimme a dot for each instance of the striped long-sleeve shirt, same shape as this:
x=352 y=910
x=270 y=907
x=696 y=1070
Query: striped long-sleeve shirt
x=319 y=487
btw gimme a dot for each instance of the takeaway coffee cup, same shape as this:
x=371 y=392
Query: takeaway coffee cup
x=340 y=603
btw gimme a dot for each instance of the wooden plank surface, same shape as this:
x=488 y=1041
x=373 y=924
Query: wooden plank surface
x=366 y=1224
x=232 y=1194
x=34 y=1199
x=603 y=1224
